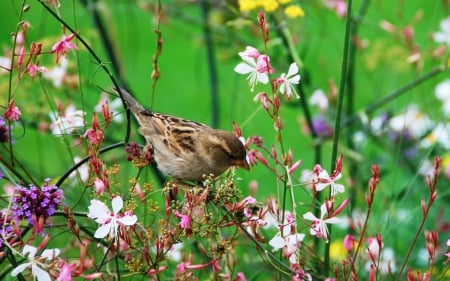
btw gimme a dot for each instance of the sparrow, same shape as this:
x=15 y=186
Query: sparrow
x=186 y=150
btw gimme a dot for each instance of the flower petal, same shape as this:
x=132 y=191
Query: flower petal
x=277 y=242
x=243 y=68
x=98 y=211
x=103 y=230
x=128 y=220
x=293 y=69
x=30 y=250
x=50 y=253
x=19 y=269
x=310 y=216
x=117 y=204
x=40 y=274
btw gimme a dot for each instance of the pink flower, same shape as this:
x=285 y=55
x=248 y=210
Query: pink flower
x=99 y=186
x=12 y=112
x=257 y=66
x=63 y=46
x=33 y=69
x=65 y=273
x=287 y=81
x=339 y=6
x=185 y=222
x=109 y=221
x=240 y=277
x=67 y=122
x=319 y=225
x=349 y=242
x=374 y=246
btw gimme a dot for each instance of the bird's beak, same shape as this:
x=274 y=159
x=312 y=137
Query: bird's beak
x=242 y=164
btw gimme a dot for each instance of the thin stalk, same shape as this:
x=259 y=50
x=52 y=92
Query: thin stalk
x=342 y=89
x=212 y=66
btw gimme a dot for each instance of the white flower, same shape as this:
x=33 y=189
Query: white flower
x=319 y=227
x=286 y=81
x=256 y=65
x=320 y=99
x=56 y=74
x=286 y=239
x=38 y=273
x=442 y=92
x=290 y=241
x=109 y=222
x=82 y=170
x=412 y=121
x=439 y=135
x=5 y=65
x=443 y=36
x=176 y=252
x=325 y=180
x=67 y=123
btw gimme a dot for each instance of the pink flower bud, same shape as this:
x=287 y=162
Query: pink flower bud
x=12 y=112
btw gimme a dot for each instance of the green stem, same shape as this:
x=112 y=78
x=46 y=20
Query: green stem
x=397 y=93
x=337 y=125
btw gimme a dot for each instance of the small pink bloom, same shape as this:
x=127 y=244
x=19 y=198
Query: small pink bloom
x=63 y=46
x=12 y=112
x=240 y=277
x=21 y=56
x=99 y=186
x=294 y=166
x=65 y=273
x=250 y=52
x=185 y=222
x=374 y=248
x=257 y=66
x=339 y=6
x=33 y=69
x=262 y=96
x=251 y=157
x=349 y=242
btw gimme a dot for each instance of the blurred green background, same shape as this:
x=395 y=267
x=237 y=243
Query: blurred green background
x=184 y=88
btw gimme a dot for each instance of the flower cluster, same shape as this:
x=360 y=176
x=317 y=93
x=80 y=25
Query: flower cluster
x=36 y=204
x=5 y=227
x=258 y=68
x=138 y=156
x=291 y=10
x=5 y=134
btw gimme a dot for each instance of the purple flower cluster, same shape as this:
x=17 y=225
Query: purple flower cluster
x=4 y=223
x=40 y=202
x=4 y=131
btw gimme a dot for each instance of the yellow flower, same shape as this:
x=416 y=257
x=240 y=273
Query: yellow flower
x=337 y=250
x=269 y=5
x=294 y=11
x=284 y=1
x=248 y=5
x=446 y=161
